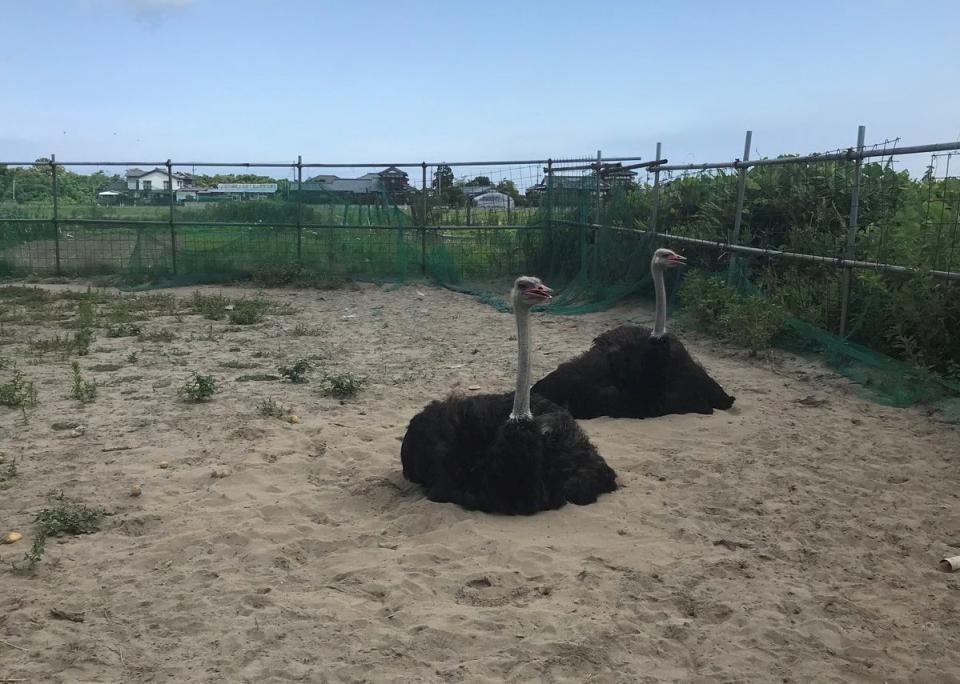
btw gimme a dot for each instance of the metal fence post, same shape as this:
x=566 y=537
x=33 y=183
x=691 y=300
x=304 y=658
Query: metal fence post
x=173 y=233
x=599 y=218
x=655 y=209
x=738 y=212
x=56 y=212
x=299 y=209
x=423 y=219
x=851 y=248
x=549 y=207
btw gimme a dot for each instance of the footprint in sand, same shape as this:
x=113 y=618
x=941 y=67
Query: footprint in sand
x=499 y=589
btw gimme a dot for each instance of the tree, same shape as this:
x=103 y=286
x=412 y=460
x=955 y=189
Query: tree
x=507 y=187
x=442 y=178
x=480 y=181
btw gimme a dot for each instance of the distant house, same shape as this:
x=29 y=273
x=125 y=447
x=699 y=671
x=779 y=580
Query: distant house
x=391 y=180
x=493 y=200
x=474 y=190
x=225 y=191
x=156 y=180
x=584 y=184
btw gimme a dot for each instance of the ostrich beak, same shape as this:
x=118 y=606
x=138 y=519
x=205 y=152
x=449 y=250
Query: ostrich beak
x=541 y=291
x=677 y=260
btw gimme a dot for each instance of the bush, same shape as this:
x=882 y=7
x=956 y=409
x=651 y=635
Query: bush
x=18 y=393
x=198 y=387
x=297 y=372
x=746 y=320
x=343 y=385
x=212 y=307
x=248 y=312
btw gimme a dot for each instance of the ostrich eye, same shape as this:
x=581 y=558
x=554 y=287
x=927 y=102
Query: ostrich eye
x=524 y=286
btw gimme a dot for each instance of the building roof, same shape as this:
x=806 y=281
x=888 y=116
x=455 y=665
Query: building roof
x=137 y=173
x=354 y=185
x=326 y=178
x=474 y=190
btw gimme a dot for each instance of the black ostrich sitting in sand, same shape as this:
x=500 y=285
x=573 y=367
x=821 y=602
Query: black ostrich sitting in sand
x=505 y=453
x=633 y=372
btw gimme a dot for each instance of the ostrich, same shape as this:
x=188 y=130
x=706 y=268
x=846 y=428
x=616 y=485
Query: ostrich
x=635 y=372
x=505 y=453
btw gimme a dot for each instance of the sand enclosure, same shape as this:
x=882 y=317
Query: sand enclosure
x=794 y=538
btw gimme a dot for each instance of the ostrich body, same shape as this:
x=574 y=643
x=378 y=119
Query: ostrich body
x=634 y=372
x=505 y=453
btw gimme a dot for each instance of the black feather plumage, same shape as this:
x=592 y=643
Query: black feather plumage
x=466 y=450
x=626 y=373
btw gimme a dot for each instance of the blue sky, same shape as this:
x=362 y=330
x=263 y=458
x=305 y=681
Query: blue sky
x=407 y=80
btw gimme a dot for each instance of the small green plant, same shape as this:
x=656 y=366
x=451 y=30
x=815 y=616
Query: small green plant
x=83 y=391
x=343 y=385
x=211 y=307
x=64 y=518
x=248 y=312
x=198 y=387
x=270 y=408
x=132 y=357
x=18 y=393
x=297 y=373
x=86 y=319
x=123 y=330
x=87 y=311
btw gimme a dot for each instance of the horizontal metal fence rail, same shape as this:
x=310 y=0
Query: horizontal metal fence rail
x=846 y=155
x=724 y=246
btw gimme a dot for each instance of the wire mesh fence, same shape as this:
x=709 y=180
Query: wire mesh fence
x=852 y=241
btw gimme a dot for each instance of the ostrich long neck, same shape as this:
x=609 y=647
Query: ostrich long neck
x=521 y=398
x=660 y=324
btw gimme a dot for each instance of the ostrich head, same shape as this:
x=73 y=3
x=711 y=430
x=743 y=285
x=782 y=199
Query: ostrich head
x=529 y=291
x=667 y=258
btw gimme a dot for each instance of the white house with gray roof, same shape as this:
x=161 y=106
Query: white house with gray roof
x=156 y=180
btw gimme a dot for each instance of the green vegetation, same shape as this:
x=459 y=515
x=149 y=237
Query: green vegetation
x=248 y=312
x=82 y=390
x=747 y=320
x=61 y=519
x=198 y=387
x=343 y=385
x=297 y=373
x=18 y=392
x=270 y=408
x=212 y=307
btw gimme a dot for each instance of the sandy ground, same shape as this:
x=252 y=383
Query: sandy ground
x=776 y=542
